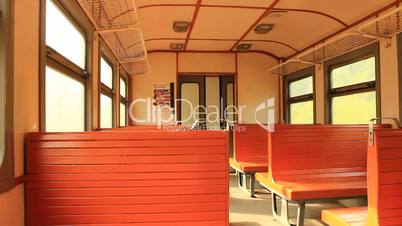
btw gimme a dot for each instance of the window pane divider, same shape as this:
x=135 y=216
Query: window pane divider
x=60 y=59
x=352 y=88
x=307 y=97
x=106 y=90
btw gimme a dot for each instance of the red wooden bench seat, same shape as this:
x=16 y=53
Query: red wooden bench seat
x=250 y=153
x=347 y=216
x=127 y=178
x=314 y=163
x=384 y=177
x=315 y=185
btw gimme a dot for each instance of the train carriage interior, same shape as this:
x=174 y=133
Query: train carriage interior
x=201 y=112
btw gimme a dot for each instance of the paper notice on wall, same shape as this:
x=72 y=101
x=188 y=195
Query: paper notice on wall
x=161 y=97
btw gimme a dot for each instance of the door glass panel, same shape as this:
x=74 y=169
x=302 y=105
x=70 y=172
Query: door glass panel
x=230 y=117
x=106 y=73
x=301 y=87
x=106 y=111
x=302 y=113
x=355 y=73
x=212 y=102
x=354 y=109
x=190 y=95
x=59 y=31
x=65 y=103
x=123 y=115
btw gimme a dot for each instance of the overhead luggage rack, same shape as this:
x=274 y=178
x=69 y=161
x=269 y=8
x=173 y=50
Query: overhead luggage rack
x=111 y=14
x=128 y=44
x=289 y=67
x=336 y=47
x=384 y=26
x=136 y=67
x=116 y=21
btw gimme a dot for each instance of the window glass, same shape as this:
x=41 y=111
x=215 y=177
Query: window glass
x=355 y=73
x=123 y=88
x=230 y=102
x=302 y=113
x=65 y=103
x=190 y=95
x=212 y=99
x=106 y=73
x=63 y=36
x=301 y=87
x=354 y=109
x=123 y=114
x=106 y=111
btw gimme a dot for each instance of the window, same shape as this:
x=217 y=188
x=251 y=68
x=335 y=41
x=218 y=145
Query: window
x=6 y=99
x=64 y=79
x=106 y=93
x=352 y=87
x=299 y=97
x=123 y=101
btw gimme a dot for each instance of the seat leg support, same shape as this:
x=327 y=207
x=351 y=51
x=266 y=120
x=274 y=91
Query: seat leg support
x=246 y=184
x=239 y=179
x=283 y=216
x=252 y=185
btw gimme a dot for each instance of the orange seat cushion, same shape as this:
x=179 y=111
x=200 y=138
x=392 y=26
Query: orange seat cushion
x=250 y=166
x=345 y=217
x=316 y=186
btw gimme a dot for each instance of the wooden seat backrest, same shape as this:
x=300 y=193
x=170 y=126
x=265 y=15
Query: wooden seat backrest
x=125 y=178
x=317 y=149
x=385 y=178
x=250 y=142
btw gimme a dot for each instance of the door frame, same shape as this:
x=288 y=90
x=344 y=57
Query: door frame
x=197 y=78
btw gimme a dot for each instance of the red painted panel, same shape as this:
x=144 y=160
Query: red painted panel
x=127 y=177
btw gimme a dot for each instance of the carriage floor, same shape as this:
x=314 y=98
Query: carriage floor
x=245 y=211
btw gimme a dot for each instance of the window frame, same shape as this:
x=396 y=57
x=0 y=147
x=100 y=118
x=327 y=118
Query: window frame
x=287 y=100
x=399 y=40
x=51 y=58
x=108 y=56
x=372 y=50
x=7 y=174
x=124 y=100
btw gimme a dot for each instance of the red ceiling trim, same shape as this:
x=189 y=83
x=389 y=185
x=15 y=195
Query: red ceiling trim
x=245 y=7
x=314 y=12
x=202 y=51
x=166 y=5
x=195 y=15
x=374 y=14
x=224 y=40
x=256 y=22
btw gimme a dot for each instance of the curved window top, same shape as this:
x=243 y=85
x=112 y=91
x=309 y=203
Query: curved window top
x=63 y=36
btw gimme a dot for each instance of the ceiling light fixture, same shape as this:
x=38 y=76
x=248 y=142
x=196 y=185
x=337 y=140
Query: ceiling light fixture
x=276 y=13
x=177 y=46
x=181 y=26
x=244 y=47
x=263 y=29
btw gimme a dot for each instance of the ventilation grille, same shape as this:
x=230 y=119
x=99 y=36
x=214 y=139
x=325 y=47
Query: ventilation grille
x=136 y=67
x=289 y=67
x=386 y=25
x=110 y=14
x=336 y=47
x=126 y=45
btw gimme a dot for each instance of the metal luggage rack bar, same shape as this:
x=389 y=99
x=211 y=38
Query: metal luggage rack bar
x=116 y=22
x=381 y=28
